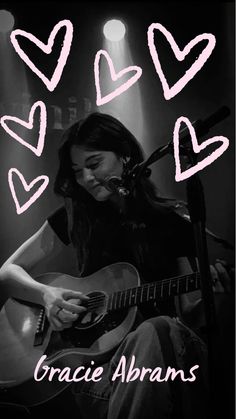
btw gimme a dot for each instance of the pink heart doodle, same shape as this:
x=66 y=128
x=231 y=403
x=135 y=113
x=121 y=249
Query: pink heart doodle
x=170 y=92
x=29 y=125
x=36 y=195
x=50 y=83
x=115 y=76
x=179 y=176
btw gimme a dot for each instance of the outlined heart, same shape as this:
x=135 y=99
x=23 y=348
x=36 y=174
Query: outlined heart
x=47 y=49
x=29 y=125
x=170 y=92
x=179 y=175
x=115 y=76
x=34 y=197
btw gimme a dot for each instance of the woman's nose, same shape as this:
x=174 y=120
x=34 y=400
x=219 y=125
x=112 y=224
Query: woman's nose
x=88 y=175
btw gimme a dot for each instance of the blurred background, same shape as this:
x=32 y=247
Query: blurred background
x=142 y=108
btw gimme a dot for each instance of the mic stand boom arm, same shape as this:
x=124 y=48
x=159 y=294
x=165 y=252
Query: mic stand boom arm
x=201 y=128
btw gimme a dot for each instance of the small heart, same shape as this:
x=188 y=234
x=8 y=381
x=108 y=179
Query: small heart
x=47 y=49
x=115 y=76
x=179 y=176
x=29 y=125
x=36 y=195
x=170 y=92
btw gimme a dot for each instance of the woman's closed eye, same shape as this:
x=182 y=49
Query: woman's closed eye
x=93 y=166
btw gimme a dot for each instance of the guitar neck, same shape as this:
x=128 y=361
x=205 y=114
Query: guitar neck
x=153 y=291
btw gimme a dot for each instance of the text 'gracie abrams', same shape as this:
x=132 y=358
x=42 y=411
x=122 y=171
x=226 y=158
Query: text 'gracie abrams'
x=125 y=371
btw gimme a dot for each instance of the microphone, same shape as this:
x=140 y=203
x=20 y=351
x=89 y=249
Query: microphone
x=115 y=184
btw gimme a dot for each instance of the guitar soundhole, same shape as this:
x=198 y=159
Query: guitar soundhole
x=85 y=336
x=96 y=309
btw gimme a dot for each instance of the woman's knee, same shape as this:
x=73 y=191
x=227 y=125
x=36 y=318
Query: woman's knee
x=154 y=324
x=147 y=333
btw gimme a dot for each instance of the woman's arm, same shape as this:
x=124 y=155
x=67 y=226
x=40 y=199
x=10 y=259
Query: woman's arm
x=16 y=281
x=15 y=276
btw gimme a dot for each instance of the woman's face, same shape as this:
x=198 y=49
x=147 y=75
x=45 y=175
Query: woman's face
x=91 y=166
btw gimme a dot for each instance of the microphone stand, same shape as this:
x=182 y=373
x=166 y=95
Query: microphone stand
x=197 y=211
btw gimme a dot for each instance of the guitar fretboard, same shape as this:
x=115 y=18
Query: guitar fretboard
x=154 y=291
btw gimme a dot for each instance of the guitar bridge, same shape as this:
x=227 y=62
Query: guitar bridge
x=42 y=326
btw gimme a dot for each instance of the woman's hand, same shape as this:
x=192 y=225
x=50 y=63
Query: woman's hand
x=63 y=306
x=222 y=276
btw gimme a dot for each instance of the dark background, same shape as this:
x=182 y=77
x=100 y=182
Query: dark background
x=212 y=87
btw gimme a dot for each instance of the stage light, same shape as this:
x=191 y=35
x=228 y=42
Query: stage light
x=114 y=30
x=6 y=21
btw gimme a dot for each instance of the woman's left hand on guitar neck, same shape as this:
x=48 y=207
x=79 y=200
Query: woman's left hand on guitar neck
x=222 y=282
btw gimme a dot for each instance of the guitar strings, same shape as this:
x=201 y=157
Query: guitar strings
x=144 y=286
x=96 y=301
x=150 y=284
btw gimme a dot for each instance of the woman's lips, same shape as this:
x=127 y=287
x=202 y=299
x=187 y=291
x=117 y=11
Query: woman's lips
x=95 y=186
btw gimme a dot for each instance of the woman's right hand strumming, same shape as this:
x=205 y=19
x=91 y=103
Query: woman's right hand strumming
x=63 y=306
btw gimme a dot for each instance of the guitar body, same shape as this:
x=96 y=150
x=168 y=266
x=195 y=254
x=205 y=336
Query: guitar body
x=93 y=338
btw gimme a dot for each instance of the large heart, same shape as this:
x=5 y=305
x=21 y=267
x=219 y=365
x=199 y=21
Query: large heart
x=170 y=92
x=182 y=175
x=115 y=76
x=50 y=83
x=36 y=195
x=29 y=125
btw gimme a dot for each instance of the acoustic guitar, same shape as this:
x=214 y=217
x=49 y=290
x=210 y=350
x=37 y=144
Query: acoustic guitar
x=25 y=334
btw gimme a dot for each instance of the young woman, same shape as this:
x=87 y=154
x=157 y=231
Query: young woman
x=107 y=227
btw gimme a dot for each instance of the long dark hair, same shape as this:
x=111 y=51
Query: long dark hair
x=103 y=132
